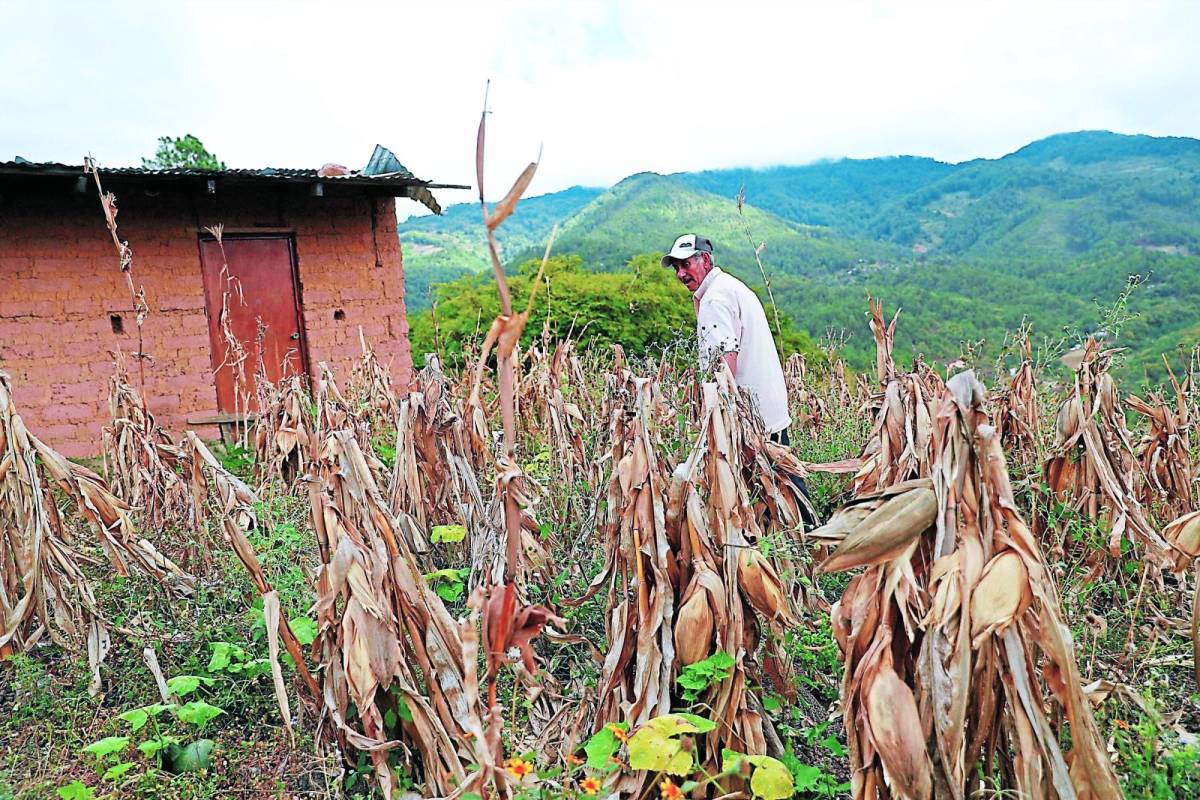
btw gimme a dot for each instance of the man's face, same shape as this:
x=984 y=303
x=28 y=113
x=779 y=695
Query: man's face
x=691 y=271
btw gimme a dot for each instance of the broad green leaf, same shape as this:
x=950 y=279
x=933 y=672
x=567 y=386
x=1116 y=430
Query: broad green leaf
x=107 y=746
x=806 y=777
x=448 y=534
x=182 y=685
x=771 y=703
x=695 y=678
x=224 y=653
x=194 y=757
x=770 y=779
x=304 y=629
x=720 y=660
x=197 y=712
x=136 y=718
x=117 y=770
x=448 y=574
x=603 y=746
x=832 y=744
x=152 y=746
x=76 y=790
x=656 y=746
x=702 y=725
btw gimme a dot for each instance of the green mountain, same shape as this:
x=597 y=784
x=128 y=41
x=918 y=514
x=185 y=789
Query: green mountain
x=1063 y=196
x=645 y=212
x=1049 y=234
x=845 y=195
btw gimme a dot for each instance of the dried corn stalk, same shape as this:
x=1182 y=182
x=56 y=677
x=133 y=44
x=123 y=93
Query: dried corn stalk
x=898 y=448
x=1092 y=465
x=235 y=356
x=285 y=437
x=1165 y=452
x=334 y=412
x=885 y=340
x=432 y=479
x=635 y=683
x=960 y=675
x=841 y=389
x=383 y=632
x=141 y=460
x=1184 y=535
x=370 y=386
x=43 y=590
x=685 y=577
x=236 y=503
x=756 y=596
x=1017 y=417
x=809 y=409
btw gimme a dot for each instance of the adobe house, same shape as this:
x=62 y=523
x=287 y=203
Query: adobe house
x=317 y=257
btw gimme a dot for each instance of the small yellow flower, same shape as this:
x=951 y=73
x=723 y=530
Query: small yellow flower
x=669 y=790
x=518 y=767
x=574 y=760
x=618 y=734
x=589 y=786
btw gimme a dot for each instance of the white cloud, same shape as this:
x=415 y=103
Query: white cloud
x=610 y=89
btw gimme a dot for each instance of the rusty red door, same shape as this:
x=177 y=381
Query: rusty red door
x=252 y=278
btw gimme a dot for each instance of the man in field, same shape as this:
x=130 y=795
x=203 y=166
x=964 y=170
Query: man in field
x=731 y=324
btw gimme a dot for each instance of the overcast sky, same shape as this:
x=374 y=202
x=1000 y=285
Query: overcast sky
x=609 y=89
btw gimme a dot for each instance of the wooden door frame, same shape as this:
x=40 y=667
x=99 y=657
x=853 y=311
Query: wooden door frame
x=290 y=237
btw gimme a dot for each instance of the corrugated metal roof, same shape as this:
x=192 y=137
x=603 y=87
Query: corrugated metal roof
x=399 y=179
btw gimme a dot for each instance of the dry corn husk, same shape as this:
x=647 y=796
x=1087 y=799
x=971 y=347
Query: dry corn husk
x=885 y=533
x=1184 y=535
x=1001 y=595
x=891 y=712
x=762 y=587
x=696 y=623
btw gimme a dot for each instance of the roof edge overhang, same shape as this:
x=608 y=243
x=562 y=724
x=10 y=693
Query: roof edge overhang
x=391 y=185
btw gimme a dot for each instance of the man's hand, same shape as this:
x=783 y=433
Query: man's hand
x=731 y=362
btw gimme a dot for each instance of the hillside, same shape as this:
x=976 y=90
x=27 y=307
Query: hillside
x=441 y=248
x=645 y=212
x=1049 y=233
x=845 y=195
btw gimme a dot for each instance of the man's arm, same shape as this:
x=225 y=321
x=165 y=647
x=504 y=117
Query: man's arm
x=719 y=329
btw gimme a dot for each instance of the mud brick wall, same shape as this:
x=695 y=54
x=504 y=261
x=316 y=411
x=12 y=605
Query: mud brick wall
x=61 y=288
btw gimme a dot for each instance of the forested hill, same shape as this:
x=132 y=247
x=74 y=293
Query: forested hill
x=441 y=248
x=1050 y=232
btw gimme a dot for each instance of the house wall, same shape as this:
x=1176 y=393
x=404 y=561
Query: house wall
x=60 y=282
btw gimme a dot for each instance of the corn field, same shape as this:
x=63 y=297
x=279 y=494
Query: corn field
x=566 y=573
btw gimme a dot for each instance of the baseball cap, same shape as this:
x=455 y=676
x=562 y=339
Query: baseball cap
x=687 y=246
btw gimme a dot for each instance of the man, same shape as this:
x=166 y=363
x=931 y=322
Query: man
x=731 y=324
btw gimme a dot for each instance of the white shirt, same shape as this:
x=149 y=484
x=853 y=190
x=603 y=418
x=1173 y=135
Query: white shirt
x=730 y=318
